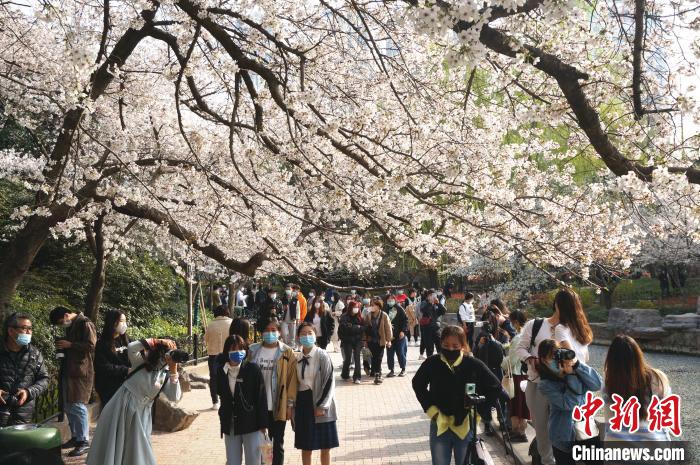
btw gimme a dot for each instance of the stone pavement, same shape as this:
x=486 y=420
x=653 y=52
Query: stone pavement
x=376 y=425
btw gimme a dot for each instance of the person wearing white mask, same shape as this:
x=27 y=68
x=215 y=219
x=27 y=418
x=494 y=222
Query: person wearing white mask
x=351 y=331
x=337 y=307
x=111 y=358
x=322 y=321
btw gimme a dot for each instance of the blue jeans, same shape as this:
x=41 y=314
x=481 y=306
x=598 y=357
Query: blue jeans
x=239 y=444
x=443 y=447
x=400 y=348
x=78 y=421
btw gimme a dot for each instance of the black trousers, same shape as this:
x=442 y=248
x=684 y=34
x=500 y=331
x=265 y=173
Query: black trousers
x=276 y=431
x=377 y=356
x=429 y=339
x=470 y=334
x=212 y=379
x=351 y=353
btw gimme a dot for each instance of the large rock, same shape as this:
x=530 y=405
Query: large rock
x=682 y=322
x=198 y=385
x=185 y=381
x=627 y=319
x=170 y=417
x=198 y=377
x=648 y=334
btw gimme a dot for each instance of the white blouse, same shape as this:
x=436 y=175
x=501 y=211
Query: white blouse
x=306 y=383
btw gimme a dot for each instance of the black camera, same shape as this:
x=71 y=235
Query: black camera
x=471 y=398
x=11 y=401
x=178 y=356
x=564 y=354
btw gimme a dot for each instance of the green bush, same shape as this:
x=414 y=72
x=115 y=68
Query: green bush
x=452 y=305
x=158 y=327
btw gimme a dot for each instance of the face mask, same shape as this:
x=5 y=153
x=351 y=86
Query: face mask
x=236 y=356
x=355 y=311
x=399 y=292
x=295 y=293
x=317 y=305
x=288 y=291
x=23 y=339
x=66 y=324
x=450 y=355
x=121 y=327
x=308 y=340
x=353 y=292
x=270 y=338
x=311 y=296
x=273 y=296
x=554 y=366
x=365 y=301
x=390 y=303
x=439 y=294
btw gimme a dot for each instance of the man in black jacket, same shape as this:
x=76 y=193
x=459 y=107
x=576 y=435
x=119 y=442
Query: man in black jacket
x=430 y=310
x=23 y=375
x=399 y=329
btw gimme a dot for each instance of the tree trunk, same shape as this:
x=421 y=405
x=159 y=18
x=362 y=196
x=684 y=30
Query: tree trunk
x=231 y=298
x=97 y=282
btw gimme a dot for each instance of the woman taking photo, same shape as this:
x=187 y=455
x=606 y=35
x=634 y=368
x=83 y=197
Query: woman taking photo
x=440 y=384
x=322 y=321
x=351 y=332
x=123 y=433
x=628 y=374
x=243 y=412
x=573 y=331
x=564 y=382
x=379 y=335
x=314 y=413
x=279 y=369
x=111 y=356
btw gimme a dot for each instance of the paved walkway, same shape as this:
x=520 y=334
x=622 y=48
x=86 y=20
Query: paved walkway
x=377 y=425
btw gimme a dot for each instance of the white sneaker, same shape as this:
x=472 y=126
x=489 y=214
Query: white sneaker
x=215 y=406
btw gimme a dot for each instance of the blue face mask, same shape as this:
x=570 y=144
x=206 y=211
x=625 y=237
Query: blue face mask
x=236 y=356
x=270 y=337
x=308 y=340
x=554 y=366
x=23 y=339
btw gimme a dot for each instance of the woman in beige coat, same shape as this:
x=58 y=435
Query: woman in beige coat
x=378 y=336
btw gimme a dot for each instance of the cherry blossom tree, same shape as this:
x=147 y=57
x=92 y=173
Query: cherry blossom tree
x=291 y=136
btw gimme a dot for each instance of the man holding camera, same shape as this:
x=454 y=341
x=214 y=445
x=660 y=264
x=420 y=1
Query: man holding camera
x=77 y=373
x=23 y=375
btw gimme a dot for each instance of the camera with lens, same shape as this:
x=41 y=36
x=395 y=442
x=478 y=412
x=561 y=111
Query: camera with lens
x=178 y=356
x=471 y=398
x=561 y=355
x=11 y=401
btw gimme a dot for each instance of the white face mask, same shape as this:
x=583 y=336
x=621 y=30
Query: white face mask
x=273 y=296
x=121 y=327
x=311 y=296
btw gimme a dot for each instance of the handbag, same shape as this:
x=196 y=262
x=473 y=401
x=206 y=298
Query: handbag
x=580 y=430
x=507 y=382
x=266 y=450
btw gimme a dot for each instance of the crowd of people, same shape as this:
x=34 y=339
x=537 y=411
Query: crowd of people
x=528 y=371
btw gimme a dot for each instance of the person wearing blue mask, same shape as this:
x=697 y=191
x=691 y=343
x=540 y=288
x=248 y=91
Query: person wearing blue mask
x=243 y=411
x=279 y=371
x=19 y=388
x=315 y=413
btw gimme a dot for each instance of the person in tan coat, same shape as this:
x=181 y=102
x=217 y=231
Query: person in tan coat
x=378 y=335
x=77 y=373
x=214 y=337
x=279 y=369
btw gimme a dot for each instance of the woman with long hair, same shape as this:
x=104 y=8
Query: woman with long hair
x=241 y=327
x=351 y=331
x=322 y=320
x=573 y=331
x=111 y=357
x=378 y=327
x=564 y=381
x=628 y=374
x=243 y=412
x=440 y=384
x=517 y=406
x=123 y=433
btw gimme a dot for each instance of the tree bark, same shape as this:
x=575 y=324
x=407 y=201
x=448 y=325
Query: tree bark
x=97 y=282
